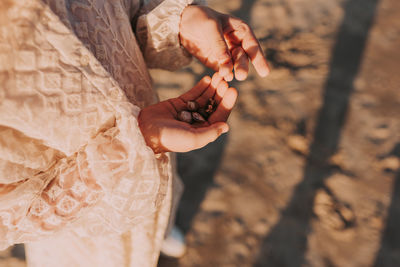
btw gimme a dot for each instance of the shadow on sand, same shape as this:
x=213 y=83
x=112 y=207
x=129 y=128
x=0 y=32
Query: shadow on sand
x=286 y=243
x=197 y=168
x=389 y=252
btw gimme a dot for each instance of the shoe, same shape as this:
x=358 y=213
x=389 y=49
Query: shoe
x=174 y=245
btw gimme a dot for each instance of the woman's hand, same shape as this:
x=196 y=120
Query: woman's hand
x=221 y=42
x=164 y=132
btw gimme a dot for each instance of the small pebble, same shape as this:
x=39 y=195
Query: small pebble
x=298 y=144
x=391 y=163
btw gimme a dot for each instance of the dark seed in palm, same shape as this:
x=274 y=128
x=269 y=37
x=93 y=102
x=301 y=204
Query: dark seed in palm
x=185 y=116
x=192 y=105
x=203 y=113
x=211 y=105
x=211 y=101
x=210 y=109
x=197 y=117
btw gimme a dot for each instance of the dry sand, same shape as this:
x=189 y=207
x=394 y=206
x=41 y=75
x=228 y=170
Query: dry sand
x=309 y=174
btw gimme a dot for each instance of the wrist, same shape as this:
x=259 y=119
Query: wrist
x=150 y=133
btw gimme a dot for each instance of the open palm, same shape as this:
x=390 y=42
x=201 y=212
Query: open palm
x=164 y=132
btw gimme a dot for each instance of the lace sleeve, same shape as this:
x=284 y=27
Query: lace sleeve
x=72 y=156
x=157 y=31
x=108 y=186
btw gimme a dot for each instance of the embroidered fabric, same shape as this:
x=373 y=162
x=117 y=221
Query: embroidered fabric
x=73 y=162
x=158 y=34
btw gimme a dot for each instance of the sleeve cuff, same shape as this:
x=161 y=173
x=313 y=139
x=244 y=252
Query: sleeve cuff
x=158 y=35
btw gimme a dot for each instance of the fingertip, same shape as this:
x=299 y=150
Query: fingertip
x=262 y=67
x=221 y=89
x=264 y=72
x=228 y=77
x=233 y=94
x=221 y=127
x=225 y=66
x=223 y=71
x=205 y=135
x=216 y=75
x=207 y=79
x=240 y=75
x=216 y=79
x=224 y=128
x=230 y=98
x=223 y=86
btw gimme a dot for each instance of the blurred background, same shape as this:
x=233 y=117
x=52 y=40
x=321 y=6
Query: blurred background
x=309 y=174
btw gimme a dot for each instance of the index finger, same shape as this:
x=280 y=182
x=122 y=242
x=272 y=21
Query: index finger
x=243 y=34
x=197 y=90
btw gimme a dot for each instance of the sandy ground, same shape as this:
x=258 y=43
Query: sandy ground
x=309 y=174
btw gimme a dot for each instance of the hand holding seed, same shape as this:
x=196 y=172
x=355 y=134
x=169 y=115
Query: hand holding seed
x=191 y=120
x=195 y=114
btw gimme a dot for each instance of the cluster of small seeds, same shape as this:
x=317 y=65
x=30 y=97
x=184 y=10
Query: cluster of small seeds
x=195 y=113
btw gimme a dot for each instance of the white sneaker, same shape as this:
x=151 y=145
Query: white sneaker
x=174 y=245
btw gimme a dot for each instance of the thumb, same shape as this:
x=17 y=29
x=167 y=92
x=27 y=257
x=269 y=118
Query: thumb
x=222 y=54
x=205 y=135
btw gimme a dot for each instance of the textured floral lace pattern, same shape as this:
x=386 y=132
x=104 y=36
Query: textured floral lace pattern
x=163 y=40
x=73 y=161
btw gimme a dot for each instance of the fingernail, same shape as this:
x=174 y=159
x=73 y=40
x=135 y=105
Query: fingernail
x=265 y=72
x=240 y=76
x=228 y=77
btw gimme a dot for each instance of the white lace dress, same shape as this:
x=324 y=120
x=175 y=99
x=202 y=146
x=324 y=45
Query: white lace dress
x=77 y=182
